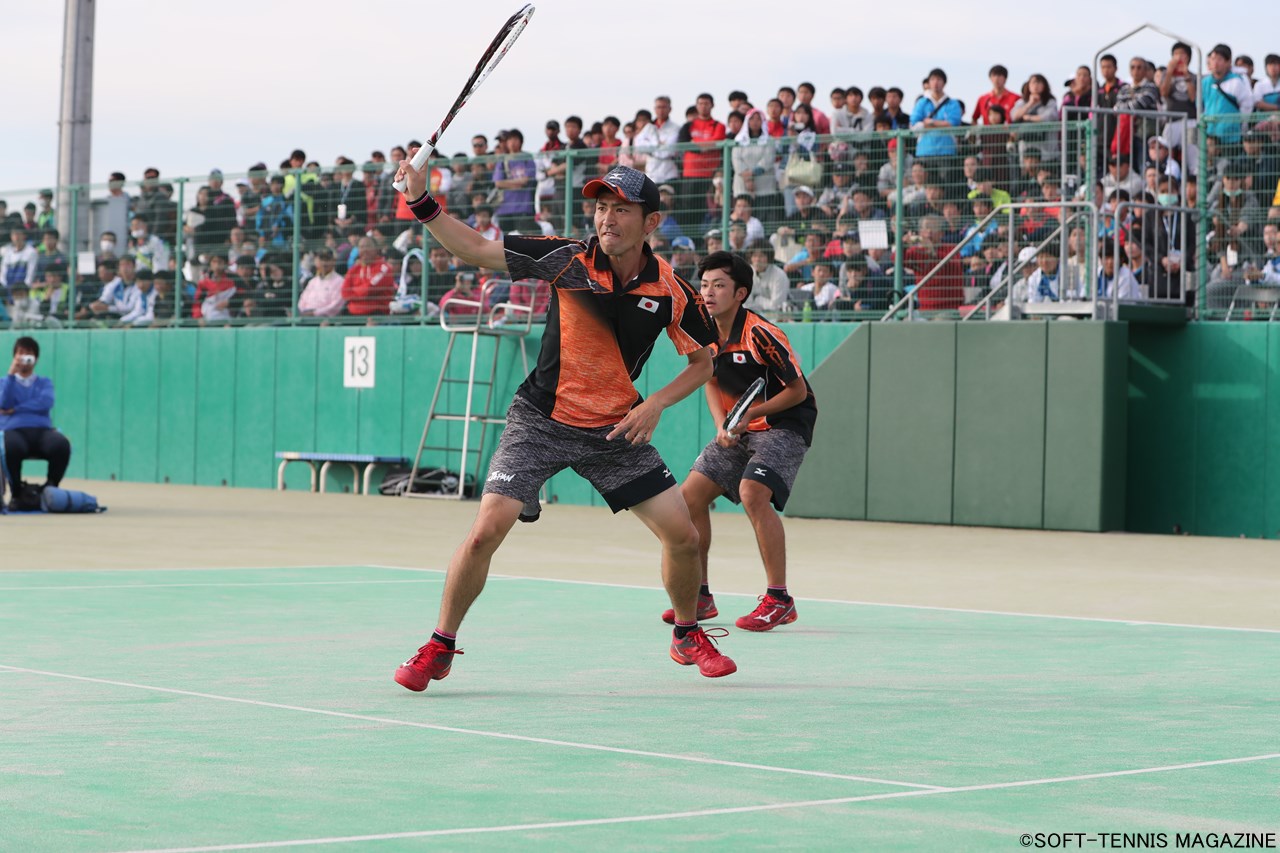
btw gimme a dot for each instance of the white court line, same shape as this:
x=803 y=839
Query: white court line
x=1133 y=622
x=569 y=824
x=117 y=571
x=477 y=732
x=230 y=583
x=650 y=588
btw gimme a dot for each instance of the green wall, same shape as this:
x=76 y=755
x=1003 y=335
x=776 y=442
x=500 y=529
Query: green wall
x=1011 y=424
x=1204 y=400
x=1001 y=424
x=212 y=406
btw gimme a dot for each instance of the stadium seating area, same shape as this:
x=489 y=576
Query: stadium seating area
x=1029 y=201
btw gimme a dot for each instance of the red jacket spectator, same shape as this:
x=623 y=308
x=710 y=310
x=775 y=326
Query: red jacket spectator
x=216 y=282
x=370 y=285
x=703 y=128
x=464 y=295
x=945 y=289
x=1007 y=99
x=536 y=294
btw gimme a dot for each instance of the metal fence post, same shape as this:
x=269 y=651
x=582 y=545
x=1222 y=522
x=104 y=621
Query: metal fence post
x=73 y=258
x=569 y=157
x=899 y=252
x=426 y=253
x=1090 y=179
x=1202 y=204
x=297 y=243
x=726 y=188
x=179 y=279
x=568 y=214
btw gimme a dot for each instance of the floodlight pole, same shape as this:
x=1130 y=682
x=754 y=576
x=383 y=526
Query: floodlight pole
x=75 y=122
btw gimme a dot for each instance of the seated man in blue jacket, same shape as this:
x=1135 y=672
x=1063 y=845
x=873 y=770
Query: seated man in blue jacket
x=25 y=403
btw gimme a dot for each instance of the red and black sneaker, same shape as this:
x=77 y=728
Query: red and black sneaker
x=432 y=663
x=706 y=610
x=769 y=614
x=698 y=647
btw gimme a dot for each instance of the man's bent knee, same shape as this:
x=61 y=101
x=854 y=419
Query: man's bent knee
x=682 y=540
x=756 y=497
x=494 y=521
x=699 y=491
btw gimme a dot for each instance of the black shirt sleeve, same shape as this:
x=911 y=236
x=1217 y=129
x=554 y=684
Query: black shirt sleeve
x=544 y=258
x=773 y=352
x=695 y=320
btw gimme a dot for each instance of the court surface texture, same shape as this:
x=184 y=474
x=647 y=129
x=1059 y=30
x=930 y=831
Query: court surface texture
x=210 y=669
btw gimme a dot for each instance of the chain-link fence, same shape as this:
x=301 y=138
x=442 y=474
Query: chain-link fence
x=846 y=226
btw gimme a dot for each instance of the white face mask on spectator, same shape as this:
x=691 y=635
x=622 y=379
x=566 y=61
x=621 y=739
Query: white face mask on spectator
x=107 y=246
x=138 y=233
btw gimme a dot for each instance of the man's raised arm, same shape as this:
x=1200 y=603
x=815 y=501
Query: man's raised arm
x=457 y=237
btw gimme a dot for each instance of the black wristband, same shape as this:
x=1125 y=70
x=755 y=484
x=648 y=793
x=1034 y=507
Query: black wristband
x=425 y=208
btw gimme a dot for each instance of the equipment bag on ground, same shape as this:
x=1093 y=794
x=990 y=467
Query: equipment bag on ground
x=54 y=499
x=430 y=481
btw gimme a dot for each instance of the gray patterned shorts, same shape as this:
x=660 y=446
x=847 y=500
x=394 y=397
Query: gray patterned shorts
x=533 y=447
x=771 y=457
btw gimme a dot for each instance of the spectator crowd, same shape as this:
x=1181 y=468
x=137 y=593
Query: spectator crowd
x=844 y=206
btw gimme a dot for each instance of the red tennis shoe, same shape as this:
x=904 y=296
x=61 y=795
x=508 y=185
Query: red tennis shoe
x=706 y=610
x=769 y=614
x=432 y=663
x=698 y=647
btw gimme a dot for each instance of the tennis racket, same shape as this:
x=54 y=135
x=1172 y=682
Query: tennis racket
x=497 y=49
x=739 y=409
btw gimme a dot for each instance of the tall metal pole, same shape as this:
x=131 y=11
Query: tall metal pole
x=75 y=121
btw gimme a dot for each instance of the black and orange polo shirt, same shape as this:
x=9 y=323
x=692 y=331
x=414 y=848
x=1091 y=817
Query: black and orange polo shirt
x=758 y=349
x=600 y=331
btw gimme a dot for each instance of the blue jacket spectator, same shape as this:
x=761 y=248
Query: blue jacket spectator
x=935 y=109
x=25 y=403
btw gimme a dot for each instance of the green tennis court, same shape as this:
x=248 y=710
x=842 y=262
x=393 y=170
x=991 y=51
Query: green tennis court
x=223 y=709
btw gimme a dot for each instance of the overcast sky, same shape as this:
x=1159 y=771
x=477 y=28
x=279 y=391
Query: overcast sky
x=189 y=86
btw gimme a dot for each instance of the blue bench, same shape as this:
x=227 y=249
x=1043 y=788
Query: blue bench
x=362 y=467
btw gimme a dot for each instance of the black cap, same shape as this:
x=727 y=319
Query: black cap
x=627 y=183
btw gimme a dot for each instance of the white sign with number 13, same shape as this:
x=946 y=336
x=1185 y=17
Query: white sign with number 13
x=358 y=362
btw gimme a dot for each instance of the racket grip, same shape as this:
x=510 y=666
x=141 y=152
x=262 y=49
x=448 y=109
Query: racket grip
x=419 y=160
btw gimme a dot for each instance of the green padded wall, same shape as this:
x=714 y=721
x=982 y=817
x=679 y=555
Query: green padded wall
x=1270 y=467
x=103 y=443
x=823 y=489
x=1161 y=429
x=140 y=421
x=1085 y=426
x=176 y=449
x=1000 y=424
x=911 y=422
x=212 y=406
x=1195 y=406
x=1005 y=424
x=1204 y=400
x=1231 y=430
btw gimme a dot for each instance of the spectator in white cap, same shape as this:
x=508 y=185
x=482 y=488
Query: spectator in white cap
x=713 y=241
x=684 y=258
x=1158 y=155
